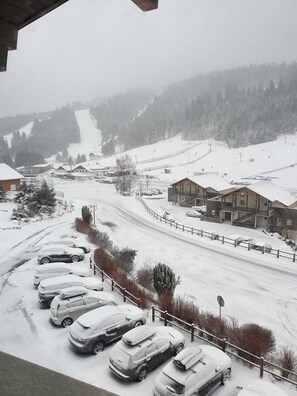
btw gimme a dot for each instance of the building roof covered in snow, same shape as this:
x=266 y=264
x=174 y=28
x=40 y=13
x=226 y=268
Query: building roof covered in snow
x=8 y=173
x=271 y=191
x=208 y=181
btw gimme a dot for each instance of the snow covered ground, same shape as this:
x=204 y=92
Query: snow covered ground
x=25 y=129
x=256 y=288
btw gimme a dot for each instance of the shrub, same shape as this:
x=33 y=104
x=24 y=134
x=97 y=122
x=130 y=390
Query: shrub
x=86 y=214
x=82 y=226
x=255 y=339
x=165 y=281
x=287 y=359
x=125 y=259
x=144 y=277
x=186 y=310
x=100 y=239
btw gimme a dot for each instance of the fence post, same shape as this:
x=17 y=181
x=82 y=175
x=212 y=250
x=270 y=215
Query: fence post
x=202 y=233
x=183 y=227
x=124 y=295
x=223 y=240
x=138 y=302
x=249 y=246
x=263 y=249
x=224 y=345
x=102 y=276
x=176 y=225
x=153 y=313
x=192 y=332
x=192 y=231
x=277 y=253
x=94 y=269
x=165 y=318
x=235 y=243
x=294 y=258
x=112 y=284
x=261 y=367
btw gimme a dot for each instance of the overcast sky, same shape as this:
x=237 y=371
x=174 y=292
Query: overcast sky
x=89 y=48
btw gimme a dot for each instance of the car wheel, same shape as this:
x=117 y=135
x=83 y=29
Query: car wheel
x=75 y=259
x=142 y=374
x=226 y=376
x=138 y=323
x=67 y=322
x=45 y=260
x=98 y=347
x=179 y=348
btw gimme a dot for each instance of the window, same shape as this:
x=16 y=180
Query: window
x=77 y=303
x=265 y=203
x=289 y=222
x=279 y=222
x=242 y=202
x=151 y=349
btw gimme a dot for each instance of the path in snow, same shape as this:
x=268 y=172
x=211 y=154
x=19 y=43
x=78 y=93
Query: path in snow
x=89 y=133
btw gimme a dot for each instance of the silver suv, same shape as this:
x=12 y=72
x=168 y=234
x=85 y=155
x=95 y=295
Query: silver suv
x=195 y=370
x=73 y=302
x=142 y=349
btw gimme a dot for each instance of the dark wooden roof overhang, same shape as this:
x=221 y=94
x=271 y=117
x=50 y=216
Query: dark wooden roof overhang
x=16 y=14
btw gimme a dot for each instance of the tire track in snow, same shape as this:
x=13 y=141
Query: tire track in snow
x=284 y=318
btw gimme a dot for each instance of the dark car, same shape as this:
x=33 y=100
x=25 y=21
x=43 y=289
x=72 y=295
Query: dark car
x=95 y=329
x=142 y=349
x=53 y=253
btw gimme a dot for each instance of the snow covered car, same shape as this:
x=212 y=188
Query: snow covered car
x=52 y=270
x=260 y=245
x=201 y=209
x=240 y=238
x=75 y=301
x=49 y=288
x=195 y=370
x=91 y=332
x=73 y=244
x=62 y=253
x=142 y=349
x=260 y=388
x=168 y=216
x=193 y=213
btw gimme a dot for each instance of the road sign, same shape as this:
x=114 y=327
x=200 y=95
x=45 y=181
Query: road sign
x=220 y=301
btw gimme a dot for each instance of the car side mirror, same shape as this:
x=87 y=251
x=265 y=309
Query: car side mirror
x=128 y=318
x=239 y=387
x=217 y=369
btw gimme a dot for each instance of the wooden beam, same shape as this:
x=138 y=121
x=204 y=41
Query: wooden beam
x=146 y=5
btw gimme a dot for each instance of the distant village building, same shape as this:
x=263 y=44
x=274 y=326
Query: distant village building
x=82 y=172
x=9 y=178
x=196 y=190
x=95 y=155
x=33 y=170
x=262 y=204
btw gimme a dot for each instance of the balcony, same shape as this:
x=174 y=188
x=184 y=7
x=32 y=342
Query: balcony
x=230 y=208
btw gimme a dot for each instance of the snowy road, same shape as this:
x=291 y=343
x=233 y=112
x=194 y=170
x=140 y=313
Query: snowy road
x=256 y=288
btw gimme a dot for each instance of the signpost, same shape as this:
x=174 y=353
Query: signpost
x=221 y=303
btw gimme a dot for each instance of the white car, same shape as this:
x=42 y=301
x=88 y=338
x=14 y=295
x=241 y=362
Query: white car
x=193 y=213
x=52 y=270
x=143 y=349
x=49 y=288
x=91 y=332
x=73 y=244
x=75 y=301
x=53 y=253
x=260 y=245
x=240 y=238
x=260 y=388
x=168 y=216
x=195 y=370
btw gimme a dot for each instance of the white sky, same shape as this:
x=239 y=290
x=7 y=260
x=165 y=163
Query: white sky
x=101 y=47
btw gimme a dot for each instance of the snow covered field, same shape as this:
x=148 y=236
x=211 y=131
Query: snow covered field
x=256 y=288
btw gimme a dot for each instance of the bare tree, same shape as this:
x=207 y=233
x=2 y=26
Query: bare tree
x=126 y=174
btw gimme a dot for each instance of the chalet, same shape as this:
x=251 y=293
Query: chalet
x=9 y=178
x=262 y=204
x=196 y=190
x=82 y=172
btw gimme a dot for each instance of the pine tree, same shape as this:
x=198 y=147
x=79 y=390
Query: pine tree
x=165 y=281
x=43 y=200
x=2 y=194
x=86 y=214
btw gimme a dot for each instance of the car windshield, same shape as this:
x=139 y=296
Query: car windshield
x=171 y=384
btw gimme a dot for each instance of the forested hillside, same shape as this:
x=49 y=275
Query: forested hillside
x=48 y=136
x=240 y=106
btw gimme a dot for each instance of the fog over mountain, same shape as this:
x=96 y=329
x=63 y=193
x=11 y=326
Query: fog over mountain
x=93 y=48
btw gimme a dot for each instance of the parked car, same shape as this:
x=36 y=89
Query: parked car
x=240 y=238
x=260 y=245
x=73 y=244
x=91 y=332
x=75 y=301
x=260 y=388
x=52 y=270
x=201 y=209
x=49 y=288
x=142 y=349
x=168 y=216
x=63 y=253
x=193 y=213
x=195 y=370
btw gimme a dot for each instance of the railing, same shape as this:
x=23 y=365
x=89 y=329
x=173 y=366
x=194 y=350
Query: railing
x=127 y=296
x=226 y=346
x=215 y=236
